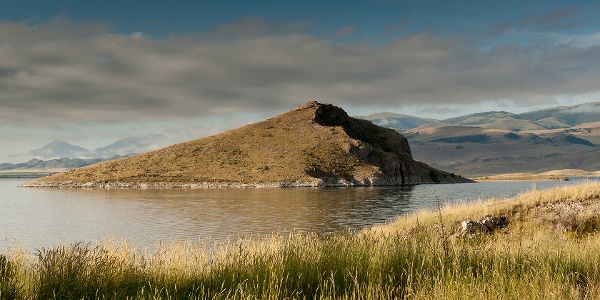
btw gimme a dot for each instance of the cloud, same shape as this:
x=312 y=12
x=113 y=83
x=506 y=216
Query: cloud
x=565 y=18
x=560 y=19
x=70 y=71
x=591 y=108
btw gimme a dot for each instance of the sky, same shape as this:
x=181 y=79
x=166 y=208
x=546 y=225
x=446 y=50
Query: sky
x=92 y=72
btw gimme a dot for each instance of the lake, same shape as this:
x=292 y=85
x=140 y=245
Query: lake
x=48 y=217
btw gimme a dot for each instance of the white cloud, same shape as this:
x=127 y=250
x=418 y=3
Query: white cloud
x=66 y=70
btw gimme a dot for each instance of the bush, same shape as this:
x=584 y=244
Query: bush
x=512 y=136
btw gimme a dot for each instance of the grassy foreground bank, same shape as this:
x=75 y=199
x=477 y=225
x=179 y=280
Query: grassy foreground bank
x=549 y=249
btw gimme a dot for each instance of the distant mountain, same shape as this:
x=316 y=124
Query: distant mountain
x=399 y=122
x=496 y=142
x=125 y=146
x=565 y=116
x=62 y=163
x=494 y=119
x=58 y=149
x=475 y=151
x=549 y=118
x=132 y=145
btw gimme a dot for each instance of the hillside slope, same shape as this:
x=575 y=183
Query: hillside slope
x=312 y=145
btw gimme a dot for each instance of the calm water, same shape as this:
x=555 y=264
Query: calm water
x=46 y=217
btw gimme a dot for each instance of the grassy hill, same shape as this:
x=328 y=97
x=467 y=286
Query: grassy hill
x=312 y=145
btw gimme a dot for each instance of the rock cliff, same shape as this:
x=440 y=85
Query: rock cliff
x=313 y=145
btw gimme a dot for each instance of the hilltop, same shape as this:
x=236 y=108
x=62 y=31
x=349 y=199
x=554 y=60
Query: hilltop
x=560 y=117
x=313 y=145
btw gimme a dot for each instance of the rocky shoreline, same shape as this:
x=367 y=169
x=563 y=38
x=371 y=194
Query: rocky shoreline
x=322 y=182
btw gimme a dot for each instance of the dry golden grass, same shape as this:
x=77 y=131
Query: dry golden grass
x=416 y=257
x=565 y=209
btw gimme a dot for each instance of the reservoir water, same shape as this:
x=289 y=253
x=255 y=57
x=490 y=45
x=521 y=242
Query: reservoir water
x=36 y=218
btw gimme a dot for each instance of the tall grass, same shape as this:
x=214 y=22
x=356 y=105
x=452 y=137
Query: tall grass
x=415 y=260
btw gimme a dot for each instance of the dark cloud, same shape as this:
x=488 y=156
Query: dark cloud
x=56 y=72
x=561 y=19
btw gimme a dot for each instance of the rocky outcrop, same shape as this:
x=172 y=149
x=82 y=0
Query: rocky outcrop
x=313 y=145
x=382 y=147
x=487 y=225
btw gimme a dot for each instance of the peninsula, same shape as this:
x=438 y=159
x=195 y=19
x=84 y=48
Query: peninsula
x=312 y=145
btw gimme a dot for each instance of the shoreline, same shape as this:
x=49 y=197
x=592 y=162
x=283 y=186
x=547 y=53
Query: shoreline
x=555 y=175
x=520 y=178
x=25 y=174
x=322 y=182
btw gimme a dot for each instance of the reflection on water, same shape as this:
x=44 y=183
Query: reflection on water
x=45 y=217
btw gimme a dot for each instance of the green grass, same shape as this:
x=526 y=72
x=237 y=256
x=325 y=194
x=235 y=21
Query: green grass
x=416 y=257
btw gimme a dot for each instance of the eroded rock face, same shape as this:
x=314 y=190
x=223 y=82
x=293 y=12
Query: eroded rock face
x=359 y=149
x=382 y=147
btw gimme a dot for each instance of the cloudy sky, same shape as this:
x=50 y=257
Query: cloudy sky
x=91 y=72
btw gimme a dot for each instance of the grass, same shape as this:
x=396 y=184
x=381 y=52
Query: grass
x=416 y=257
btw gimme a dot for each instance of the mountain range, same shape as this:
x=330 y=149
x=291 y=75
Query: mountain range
x=123 y=147
x=52 y=164
x=59 y=154
x=560 y=117
x=498 y=142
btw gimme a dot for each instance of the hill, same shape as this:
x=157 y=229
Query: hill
x=58 y=149
x=565 y=116
x=312 y=145
x=126 y=146
x=477 y=151
x=131 y=145
x=40 y=168
x=560 y=117
x=496 y=120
